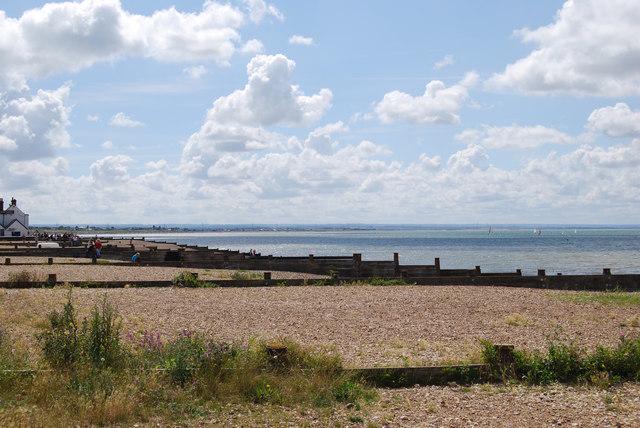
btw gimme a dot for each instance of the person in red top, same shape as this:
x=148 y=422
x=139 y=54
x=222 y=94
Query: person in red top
x=98 y=246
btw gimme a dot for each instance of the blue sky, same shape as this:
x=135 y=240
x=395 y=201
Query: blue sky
x=552 y=139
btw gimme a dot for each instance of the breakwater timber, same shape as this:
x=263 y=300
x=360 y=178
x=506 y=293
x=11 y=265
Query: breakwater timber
x=338 y=268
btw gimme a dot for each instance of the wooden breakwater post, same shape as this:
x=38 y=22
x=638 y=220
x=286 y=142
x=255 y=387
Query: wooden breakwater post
x=396 y=264
x=506 y=360
x=7 y=261
x=50 y=260
x=436 y=264
x=357 y=264
x=52 y=279
x=267 y=278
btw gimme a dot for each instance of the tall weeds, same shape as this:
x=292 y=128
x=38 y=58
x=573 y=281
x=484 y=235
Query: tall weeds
x=568 y=363
x=100 y=376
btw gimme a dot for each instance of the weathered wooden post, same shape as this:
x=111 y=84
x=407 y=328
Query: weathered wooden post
x=519 y=272
x=52 y=279
x=357 y=261
x=7 y=261
x=478 y=271
x=396 y=264
x=542 y=275
x=506 y=360
x=267 y=278
x=437 y=265
x=50 y=261
x=606 y=271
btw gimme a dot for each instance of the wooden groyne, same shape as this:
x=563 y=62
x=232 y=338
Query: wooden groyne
x=339 y=269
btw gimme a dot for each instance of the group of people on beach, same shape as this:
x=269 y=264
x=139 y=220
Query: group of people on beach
x=94 y=250
x=73 y=239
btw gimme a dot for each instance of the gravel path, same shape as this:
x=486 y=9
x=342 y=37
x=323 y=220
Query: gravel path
x=368 y=326
x=99 y=273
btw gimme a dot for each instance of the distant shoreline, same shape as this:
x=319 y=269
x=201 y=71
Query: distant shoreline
x=222 y=228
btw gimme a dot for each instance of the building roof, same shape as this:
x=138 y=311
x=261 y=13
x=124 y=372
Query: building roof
x=16 y=221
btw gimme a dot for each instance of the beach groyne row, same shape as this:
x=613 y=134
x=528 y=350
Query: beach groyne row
x=339 y=269
x=343 y=267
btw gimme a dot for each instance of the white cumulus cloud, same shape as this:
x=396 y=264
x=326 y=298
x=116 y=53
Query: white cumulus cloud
x=269 y=97
x=121 y=120
x=70 y=36
x=236 y=122
x=111 y=170
x=438 y=104
x=592 y=48
x=615 y=121
x=252 y=47
x=34 y=126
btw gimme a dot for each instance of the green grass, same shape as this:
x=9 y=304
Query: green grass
x=614 y=298
x=243 y=275
x=379 y=282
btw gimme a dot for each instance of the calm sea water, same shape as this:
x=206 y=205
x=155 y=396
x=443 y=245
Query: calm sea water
x=556 y=249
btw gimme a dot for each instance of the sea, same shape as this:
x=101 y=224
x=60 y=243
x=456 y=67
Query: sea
x=569 y=249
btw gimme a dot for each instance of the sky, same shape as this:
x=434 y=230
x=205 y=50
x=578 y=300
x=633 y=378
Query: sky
x=321 y=111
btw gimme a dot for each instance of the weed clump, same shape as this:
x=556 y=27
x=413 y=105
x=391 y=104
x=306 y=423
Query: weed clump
x=98 y=378
x=23 y=279
x=568 y=363
x=190 y=280
x=95 y=343
x=378 y=282
x=243 y=275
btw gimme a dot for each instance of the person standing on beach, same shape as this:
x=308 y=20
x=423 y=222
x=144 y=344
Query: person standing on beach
x=98 y=246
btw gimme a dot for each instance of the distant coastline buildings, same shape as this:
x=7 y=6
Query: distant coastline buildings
x=13 y=221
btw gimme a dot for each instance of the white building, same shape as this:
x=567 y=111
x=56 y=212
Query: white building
x=13 y=222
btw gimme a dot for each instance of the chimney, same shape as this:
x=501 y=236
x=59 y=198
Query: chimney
x=14 y=202
x=1 y=205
